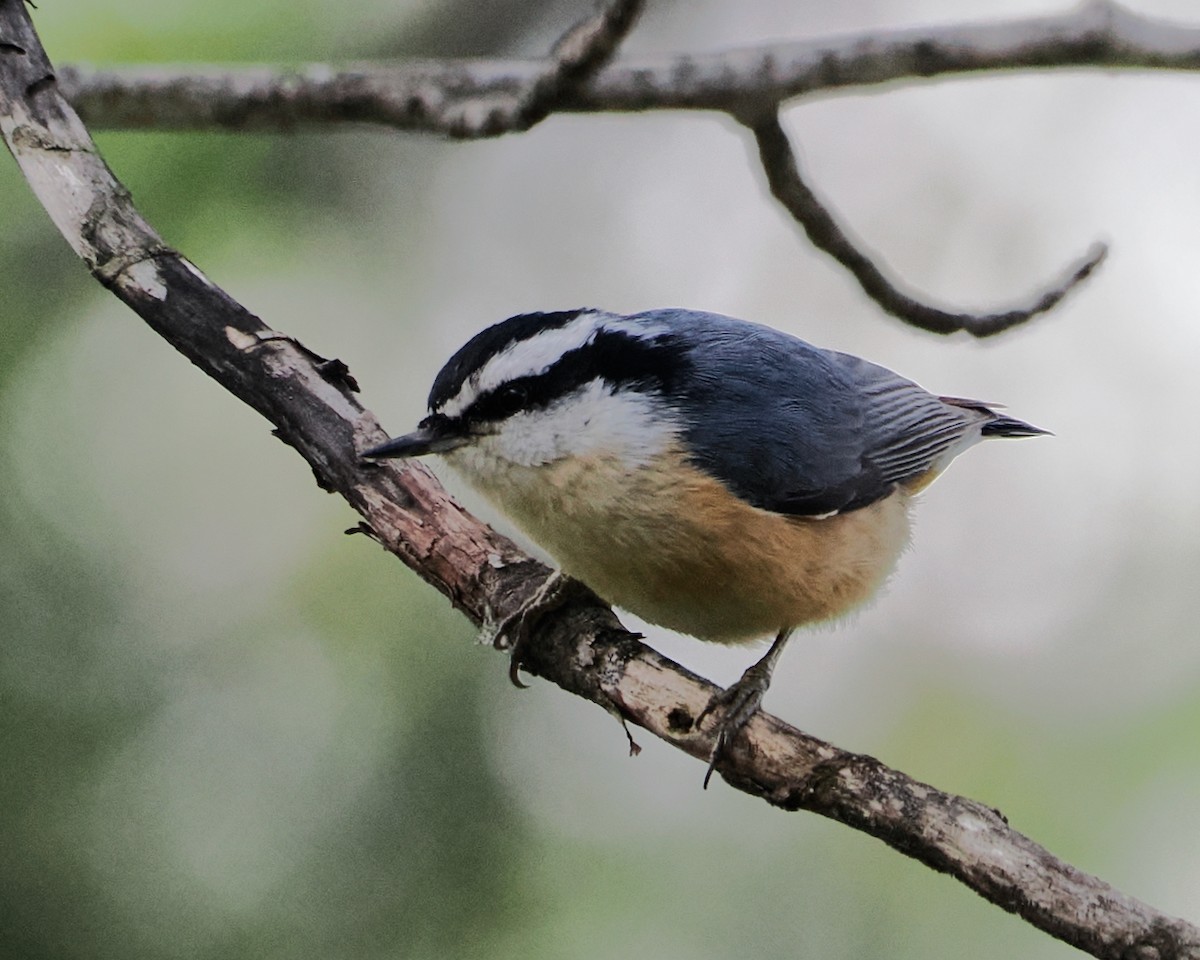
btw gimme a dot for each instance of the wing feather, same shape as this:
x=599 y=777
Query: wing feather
x=796 y=429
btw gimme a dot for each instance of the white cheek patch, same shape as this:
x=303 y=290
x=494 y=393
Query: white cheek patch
x=537 y=354
x=591 y=421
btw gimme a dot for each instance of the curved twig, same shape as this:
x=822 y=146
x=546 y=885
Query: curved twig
x=584 y=49
x=788 y=187
x=582 y=648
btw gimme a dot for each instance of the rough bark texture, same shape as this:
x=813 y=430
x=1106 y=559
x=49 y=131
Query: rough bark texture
x=313 y=405
x=430 y=95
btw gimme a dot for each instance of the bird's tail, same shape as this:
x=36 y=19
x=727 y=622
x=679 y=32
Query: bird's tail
x=997 y=424
x=1002 y=426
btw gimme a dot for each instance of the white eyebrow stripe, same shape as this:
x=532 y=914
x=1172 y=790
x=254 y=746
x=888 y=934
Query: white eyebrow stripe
x=537 y=354
x=522 y=358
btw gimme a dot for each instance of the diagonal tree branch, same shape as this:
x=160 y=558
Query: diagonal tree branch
x=788 y=187
x=313 y=405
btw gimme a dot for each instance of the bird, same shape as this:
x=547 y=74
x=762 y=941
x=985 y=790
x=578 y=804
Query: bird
x=710 y=475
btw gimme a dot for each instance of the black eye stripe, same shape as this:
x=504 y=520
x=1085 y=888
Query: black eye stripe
x=487 y=344
x=504 y=401
x=620 y=359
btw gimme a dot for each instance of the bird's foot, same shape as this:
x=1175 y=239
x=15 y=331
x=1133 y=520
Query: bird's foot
x=739 y=702
x=735 y=705
x=515 y=632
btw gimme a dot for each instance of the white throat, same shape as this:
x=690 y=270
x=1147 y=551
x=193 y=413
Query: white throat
x=593 y=421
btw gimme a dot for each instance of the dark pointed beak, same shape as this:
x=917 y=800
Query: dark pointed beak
x=433 y=435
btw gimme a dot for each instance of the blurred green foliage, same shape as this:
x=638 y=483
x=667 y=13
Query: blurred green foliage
x=97 y=703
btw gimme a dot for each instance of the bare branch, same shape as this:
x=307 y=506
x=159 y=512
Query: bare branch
x=429 y=96
x=1097 y=33
x=579 y=53
x=475 y=98
x=794 y=771
x=582 y=648
x=592 y=43
x=788 y=187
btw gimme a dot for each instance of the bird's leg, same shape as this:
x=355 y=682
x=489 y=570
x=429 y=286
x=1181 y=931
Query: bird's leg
x=740 y=700
x=515 y=631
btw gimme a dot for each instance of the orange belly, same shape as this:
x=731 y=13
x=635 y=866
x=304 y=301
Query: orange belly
x=674 y=547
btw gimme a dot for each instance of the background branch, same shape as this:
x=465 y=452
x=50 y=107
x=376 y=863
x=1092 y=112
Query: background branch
x=428 y=96
x=311 y=401
x=579 y=53
x=788 y=187
x=474 y=98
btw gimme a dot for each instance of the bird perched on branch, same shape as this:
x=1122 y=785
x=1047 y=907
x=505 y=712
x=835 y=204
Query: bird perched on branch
x=710 y=475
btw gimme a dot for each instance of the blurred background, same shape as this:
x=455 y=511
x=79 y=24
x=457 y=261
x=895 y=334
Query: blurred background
x=227 y=730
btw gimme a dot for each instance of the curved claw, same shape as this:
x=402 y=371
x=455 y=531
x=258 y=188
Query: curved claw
x=514 y=666
x=740 y=701
x=516 y=630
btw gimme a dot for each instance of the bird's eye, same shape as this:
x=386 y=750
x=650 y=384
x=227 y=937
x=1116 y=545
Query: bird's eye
x=511 y=397
x=500 y=403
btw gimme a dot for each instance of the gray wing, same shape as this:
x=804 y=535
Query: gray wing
x=795 y=429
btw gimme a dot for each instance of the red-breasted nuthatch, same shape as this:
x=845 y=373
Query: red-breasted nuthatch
x=710 y=475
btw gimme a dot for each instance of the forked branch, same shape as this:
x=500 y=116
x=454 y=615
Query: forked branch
x=427 y=96
x=479 y=98
x=577 y=55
